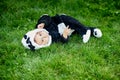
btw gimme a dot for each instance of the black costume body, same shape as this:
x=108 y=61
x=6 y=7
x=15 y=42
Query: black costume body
x=51 y=25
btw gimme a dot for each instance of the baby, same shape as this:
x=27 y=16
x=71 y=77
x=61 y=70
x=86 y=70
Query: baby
x=57 y=28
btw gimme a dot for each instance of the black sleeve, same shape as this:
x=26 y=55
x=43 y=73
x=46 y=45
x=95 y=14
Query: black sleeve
x=44 y=19
x=56 y=37
x=57 y=19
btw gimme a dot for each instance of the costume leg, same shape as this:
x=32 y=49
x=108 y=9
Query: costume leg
x=78 y=27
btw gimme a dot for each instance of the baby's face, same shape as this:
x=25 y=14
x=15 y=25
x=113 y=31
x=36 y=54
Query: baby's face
x=41 y=38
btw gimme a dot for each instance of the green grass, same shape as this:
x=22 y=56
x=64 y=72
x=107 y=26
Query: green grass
x=99 y=59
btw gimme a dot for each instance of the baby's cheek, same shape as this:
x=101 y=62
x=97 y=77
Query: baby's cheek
x=38 y=40
x=45 y=41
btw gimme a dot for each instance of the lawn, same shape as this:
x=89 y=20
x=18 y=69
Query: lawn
x=99 y=59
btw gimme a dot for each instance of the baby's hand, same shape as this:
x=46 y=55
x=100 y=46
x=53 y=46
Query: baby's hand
x=66 y=32
x=41 y=26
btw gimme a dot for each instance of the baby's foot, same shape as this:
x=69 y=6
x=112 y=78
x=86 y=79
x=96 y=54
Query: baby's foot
x=97 y=33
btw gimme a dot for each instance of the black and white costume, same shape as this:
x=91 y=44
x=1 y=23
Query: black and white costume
x=55 y=26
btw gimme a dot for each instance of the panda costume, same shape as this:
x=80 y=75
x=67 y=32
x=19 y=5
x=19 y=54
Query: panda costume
x=55 y=26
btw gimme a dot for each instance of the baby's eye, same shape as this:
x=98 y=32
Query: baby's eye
x=40 y=34
x=42 y=40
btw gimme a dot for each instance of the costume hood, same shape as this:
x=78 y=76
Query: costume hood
x=28 y=40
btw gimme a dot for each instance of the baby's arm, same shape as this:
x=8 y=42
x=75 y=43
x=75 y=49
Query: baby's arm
x=41 y=25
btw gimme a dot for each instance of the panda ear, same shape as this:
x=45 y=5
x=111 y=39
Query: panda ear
x=25 y=36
